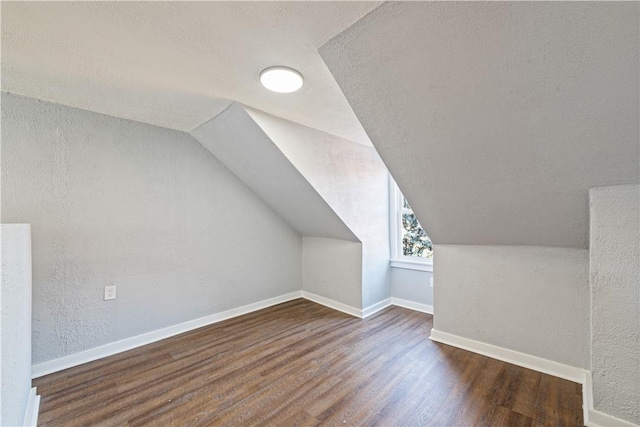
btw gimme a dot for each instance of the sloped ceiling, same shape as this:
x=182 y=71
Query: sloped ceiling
x=350 y=177
x=242 y=146
x=496 y=118
x=178 y=64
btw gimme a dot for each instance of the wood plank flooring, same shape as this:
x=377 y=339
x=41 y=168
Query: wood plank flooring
x=300 y=363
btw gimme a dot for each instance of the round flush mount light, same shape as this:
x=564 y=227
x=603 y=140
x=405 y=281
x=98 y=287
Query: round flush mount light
x=281 y=79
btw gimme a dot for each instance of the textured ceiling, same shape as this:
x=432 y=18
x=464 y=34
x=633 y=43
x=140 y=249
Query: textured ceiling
x=495 y=118
x=178 y=64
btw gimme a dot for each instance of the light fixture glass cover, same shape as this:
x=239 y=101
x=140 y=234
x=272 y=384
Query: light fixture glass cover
x=281 y=79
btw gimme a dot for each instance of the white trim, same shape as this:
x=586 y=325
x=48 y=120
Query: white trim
x=33 y=407
x=396 y=209
x=394 y=227
x=510 y=356
x=600 y=419
x=96 y=353
x=592 y=417
x=411 y=305
x=332 y=304
x=587 y=398
x=372 y=309
x=412 y=265
x=106 y=350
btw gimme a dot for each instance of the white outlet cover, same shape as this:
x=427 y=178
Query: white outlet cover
x=109 y=292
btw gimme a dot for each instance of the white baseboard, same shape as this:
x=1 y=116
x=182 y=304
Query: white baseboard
x=364 y=313
x=587 y=398
x=372 y=309
x=33 y=406
x=592 y=417
x=327 y=302
x=411 y=305
x=96 y=353
x=510 y=356
x=600 y=419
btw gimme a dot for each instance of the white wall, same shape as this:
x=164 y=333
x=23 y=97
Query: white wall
x=615 y=300
x=412 y=285
x=15 y=345
x=147 y=209
x=534 y=300
x=354 y=182
x=332 y=268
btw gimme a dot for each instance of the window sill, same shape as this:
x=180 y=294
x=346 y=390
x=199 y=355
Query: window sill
x=412 y=265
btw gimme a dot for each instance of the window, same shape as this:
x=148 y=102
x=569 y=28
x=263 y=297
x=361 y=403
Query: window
x=410 y=246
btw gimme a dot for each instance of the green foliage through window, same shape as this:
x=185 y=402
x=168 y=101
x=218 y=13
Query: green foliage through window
x=415 y=241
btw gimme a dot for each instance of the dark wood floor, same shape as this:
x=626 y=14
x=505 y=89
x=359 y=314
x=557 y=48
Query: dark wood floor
x=300 y=363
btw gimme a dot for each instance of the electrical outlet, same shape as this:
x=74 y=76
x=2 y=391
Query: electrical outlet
x=109 y=292
x=431 y=282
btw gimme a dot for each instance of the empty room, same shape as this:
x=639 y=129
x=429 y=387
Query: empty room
x=307 y=213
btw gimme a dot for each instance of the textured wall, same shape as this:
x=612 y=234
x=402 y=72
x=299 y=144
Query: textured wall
x=244 y=148
x=412 y=285
x=15 y=346
x=332 y=268
x=534 y=300
x=354 y=182
x=495 y=118
x=150 y=210
x=615 y=300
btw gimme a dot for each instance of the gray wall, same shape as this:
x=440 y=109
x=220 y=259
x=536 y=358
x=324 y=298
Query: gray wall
x=332 y=268
x=147 y=209
x=251 y=154
x=615 y=300
x=495 y=118
x=15 y=345
x=534 y=300
x=412 y=285
x=354 y=182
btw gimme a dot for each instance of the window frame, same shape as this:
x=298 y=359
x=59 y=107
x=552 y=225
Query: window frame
x=398 y=259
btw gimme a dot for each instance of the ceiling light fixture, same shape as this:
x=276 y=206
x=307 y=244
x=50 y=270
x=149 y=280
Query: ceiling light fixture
x=281 y=79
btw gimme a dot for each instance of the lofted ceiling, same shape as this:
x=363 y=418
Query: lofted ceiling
x=495 y=118
x=178 y=64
